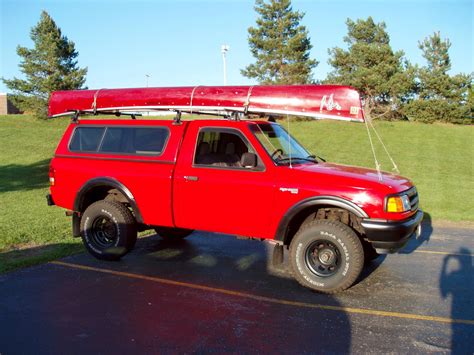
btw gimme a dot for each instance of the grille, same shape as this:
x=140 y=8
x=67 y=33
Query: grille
x=413 y=196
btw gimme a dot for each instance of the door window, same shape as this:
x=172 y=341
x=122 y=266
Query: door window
x=222 y=148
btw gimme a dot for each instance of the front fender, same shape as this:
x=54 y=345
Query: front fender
x=331 y=201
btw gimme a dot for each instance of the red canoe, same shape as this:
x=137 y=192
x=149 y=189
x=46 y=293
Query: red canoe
x=315 y=101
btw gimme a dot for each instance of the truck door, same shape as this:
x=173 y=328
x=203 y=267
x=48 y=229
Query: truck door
x=214 y=192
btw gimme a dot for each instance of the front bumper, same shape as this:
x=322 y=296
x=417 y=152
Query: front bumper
x=390 y=236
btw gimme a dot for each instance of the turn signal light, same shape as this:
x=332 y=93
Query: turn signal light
x=398 y=204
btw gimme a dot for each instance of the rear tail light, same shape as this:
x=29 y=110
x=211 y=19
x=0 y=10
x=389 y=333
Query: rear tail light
x=51 y=175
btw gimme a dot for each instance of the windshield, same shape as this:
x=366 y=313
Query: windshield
x=280 y=145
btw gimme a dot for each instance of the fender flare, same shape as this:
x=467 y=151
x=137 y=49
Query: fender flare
x=113 y=183
x=334 y=201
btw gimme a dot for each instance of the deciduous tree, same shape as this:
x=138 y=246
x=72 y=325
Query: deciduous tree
x=51 y=65
x=280 y=44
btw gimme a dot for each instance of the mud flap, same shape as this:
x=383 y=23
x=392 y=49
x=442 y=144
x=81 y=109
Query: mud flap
x=277 y=258
x=76 y=225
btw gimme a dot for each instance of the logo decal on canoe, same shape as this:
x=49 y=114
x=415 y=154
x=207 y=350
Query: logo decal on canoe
x=329 y=103
x=289 y=189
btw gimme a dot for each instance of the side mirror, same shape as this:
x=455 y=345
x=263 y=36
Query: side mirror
x=248 y=160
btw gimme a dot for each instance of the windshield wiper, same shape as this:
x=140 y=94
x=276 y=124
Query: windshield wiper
x=315 y=156
x=287 y=159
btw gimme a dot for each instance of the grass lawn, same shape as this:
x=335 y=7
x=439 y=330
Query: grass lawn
x=438 y=158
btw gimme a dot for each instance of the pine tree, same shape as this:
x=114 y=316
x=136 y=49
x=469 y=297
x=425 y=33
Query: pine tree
x=383 y=77
x=51 y=65
x=280 y=45
x=440 y=97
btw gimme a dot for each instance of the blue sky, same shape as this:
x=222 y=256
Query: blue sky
x=178 y=42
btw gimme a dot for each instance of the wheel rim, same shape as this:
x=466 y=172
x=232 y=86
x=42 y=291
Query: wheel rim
x=104 y=232
x=323 y=258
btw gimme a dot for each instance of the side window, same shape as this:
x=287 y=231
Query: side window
x=120 y=140
x=150 y=140
x=220 y=148
x=86 y=139
x=113 y=140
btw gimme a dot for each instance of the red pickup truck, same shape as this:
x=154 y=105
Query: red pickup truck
x=241 y=177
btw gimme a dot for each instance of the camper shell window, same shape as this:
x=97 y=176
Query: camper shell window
x=120 y=140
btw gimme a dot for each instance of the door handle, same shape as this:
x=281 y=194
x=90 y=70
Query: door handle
x=191 y=178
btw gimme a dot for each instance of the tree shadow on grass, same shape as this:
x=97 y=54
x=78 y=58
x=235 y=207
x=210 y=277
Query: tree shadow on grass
x=15 y=177
x=26 y=256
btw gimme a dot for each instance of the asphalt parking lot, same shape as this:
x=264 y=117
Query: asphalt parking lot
x=215 y=293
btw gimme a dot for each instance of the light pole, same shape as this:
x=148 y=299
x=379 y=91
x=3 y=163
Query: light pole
x=147 y=76
x=224 y=49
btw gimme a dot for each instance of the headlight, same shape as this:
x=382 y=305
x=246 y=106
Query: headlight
x=398 y=203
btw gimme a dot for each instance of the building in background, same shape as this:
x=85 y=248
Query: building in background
x=6 y=106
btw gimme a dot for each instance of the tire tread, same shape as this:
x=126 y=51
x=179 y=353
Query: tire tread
x=358 y=256
x=128 y=219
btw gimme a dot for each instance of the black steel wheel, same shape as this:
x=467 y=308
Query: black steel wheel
x=326 y=256
x=323 y=258
x=108 y=230
x=103 y=232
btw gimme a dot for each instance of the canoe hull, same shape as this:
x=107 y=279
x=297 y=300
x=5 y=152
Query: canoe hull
x=315 y=101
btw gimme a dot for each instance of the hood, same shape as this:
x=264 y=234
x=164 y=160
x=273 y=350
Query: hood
x=358 y=177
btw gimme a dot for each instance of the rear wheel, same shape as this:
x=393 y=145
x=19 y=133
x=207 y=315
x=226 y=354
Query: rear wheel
x=108 y=230
x=326 y=256
x=169 y=233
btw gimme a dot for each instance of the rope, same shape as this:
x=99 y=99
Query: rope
x=247 y=101
x=377 y=165
x=395 y=167
x=191 y=101
x=94 y=103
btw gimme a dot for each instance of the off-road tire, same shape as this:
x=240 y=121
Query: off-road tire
x=169 y=233
x=108 y=230
x=312 y=242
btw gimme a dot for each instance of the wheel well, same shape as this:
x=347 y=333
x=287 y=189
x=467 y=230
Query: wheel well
x=104 y=192
x=323 y=212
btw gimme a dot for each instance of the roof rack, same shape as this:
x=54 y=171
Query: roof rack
x=77 y=113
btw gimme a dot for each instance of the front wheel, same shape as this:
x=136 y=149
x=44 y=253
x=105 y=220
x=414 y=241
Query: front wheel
x=108 y=230
x=326 y=256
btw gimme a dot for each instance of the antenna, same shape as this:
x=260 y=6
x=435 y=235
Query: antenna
x=289 y=139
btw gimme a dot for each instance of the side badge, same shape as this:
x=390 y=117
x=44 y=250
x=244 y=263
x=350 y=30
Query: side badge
x=291 y=190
